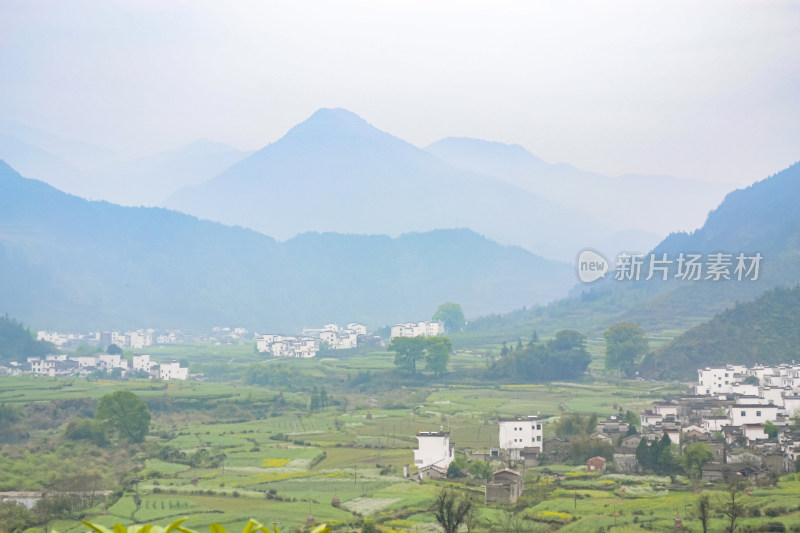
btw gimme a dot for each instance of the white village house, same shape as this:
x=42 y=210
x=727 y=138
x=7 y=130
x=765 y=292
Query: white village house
x=519 y=433
x=309 y=343
x=417 y=329
x=434 y=449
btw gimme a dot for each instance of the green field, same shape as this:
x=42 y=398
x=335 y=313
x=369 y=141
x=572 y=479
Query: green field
x=283 y=462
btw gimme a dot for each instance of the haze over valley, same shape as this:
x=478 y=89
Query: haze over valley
x=378 y=267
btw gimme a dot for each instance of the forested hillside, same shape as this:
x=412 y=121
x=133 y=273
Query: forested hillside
x=760 y=219
x=765 y=331
x=18 y=342
x=70 y=263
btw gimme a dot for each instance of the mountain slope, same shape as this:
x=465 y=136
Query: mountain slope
x=336 y=172
x=17 y=342
x=766 y=331
x=655 y=204
x=150 y=180
x=69 y=263
x=762 y=218
x=78 y=154
x=34 y=161
x=93 y=172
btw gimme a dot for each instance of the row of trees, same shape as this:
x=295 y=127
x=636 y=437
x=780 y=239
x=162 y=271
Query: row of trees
x=63 y=497
x=560 y=358
x=202 y=458
x=319 y=399
x=435 y=351
x=663 y=457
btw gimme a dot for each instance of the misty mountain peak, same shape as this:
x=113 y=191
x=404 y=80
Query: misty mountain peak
x=336 y=127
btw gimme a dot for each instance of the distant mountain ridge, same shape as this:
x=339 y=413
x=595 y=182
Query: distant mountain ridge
x=151 y=180
x=94 y=172
x=38 y=162
x=647 y=203
x=336 y=172
x=78 y=154
x=69 y=263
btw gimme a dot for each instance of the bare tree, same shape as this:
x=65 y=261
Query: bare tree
x=731 y=506
x=471 y=520
x=704 y=511
x=451 y=511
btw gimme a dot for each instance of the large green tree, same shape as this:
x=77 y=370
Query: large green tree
x=481 y=469
x=771 y=430
x=438 y=354
x=575 y=424
x=407 y=351
x=125 y=415
x=694 y=457
x=113 y=349
x=452 y=316
x=626 y=343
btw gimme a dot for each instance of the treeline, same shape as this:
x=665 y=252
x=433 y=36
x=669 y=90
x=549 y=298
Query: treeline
x=766 y=331
x=16 y=422
x=64 y=498
x=202 y=458
x=18 y=342
x=224 y=407
x=562 y=358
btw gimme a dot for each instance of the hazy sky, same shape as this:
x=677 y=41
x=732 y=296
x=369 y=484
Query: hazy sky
x=707 y=89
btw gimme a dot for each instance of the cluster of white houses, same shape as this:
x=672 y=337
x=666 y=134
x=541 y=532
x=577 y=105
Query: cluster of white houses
x=731 y=410
x=83 y=365
x=304 y=345
x=520 y=439
x=309 y=343
x=140 y=338
x=417 y=329
x=740 y=379
x=744 y=415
